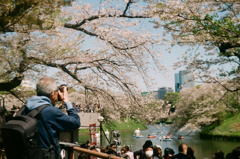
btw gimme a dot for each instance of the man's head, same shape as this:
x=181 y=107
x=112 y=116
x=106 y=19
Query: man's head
x=47 y=86
x=127 y=148
x=168 y=152
x=182 y=148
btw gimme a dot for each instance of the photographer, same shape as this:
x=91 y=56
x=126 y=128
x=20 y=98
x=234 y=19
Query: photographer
x=48 y=94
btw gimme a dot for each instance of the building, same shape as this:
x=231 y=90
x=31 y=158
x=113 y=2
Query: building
x=153 y=94
x=183 y=80
x=163 y=91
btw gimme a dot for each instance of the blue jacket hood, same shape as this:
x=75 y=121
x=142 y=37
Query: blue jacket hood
x=37 y=101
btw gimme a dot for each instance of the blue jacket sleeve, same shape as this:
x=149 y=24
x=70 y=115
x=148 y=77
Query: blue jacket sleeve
x=61 y=121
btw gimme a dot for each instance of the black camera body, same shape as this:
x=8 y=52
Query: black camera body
x=60 y=88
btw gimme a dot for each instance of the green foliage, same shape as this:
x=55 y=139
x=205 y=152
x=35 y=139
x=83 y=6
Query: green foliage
x=171 y=97
x=209 y=128
x=123 y=125
x=198 y=86
x=25 y=15
x=230 y=127
x=232 y=100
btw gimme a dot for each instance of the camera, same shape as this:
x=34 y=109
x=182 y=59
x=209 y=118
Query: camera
x=60 y=88
x=116 y=133
x=117 y=142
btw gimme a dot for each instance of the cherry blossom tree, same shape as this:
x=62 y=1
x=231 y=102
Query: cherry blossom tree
x=122 y=52
x=204 y=105
x=211 y=28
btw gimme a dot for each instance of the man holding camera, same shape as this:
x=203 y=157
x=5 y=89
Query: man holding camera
x=55 y=120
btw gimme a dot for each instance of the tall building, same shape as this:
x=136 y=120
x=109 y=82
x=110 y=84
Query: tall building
x=183 y=80
x=163 y=91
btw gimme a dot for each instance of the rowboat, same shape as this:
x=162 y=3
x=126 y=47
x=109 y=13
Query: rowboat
x=152 y=136
x=167 y=138
x=139 y=136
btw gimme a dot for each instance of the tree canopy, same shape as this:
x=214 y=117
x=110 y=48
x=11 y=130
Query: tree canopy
x=213 y=25
x=120 y=53
x=100 y=48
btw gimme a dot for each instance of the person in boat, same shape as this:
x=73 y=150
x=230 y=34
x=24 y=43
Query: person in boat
x=140 y=153
x=182 y=152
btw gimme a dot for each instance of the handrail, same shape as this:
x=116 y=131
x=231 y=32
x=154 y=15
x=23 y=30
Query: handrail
x=94 y=153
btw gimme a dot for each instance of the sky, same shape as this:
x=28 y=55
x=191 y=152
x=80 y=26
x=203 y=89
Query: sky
x=161 y=79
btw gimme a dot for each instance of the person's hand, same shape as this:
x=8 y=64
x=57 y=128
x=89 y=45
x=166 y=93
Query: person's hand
x=65 y=94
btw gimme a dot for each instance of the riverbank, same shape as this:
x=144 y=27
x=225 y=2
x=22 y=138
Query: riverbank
x=122 y=125
x=228 y=130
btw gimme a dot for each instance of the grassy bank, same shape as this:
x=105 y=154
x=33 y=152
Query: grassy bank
x=230 y=128
x=122 y=125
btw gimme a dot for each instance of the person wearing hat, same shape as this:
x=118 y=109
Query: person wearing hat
x=159 y=149
x=148 y=152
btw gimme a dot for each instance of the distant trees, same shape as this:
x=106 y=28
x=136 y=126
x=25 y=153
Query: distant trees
x=171 y=97
x=204 y=105
x=211 y=29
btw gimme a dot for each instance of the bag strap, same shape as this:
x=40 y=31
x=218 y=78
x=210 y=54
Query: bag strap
x=50 y=136
x=33 y=112
x=21 y=110
x=36 y=111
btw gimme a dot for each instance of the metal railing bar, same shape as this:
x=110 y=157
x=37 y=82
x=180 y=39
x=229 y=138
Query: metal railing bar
x=97 y=154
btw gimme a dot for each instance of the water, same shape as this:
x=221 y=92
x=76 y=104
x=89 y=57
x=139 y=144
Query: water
x=203 y=149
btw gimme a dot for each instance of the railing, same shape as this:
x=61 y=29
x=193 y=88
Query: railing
x=72 y=149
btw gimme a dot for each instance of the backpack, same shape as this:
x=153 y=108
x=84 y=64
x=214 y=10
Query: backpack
x=2 y=122
x=21 y=138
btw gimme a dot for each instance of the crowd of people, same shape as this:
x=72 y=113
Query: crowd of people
x=89 y=108
x=149 y=151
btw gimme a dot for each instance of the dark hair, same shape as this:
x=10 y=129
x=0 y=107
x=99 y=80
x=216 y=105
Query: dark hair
x=93 y=147
x=190 y=153
x=235 y=153
x=111 y=151
x=147 y=144
x=111 y=145
x=167 y=152
x=127 y=148
x=124 y=149
x=219 y=155
x=103 y=149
